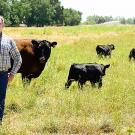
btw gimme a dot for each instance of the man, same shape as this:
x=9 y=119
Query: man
x=8 y=50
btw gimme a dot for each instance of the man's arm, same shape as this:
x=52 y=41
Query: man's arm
x=15 y=54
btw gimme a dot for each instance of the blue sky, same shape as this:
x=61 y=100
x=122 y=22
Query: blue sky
x=123 y=8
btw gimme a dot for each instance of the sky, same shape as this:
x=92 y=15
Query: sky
x=114 y=8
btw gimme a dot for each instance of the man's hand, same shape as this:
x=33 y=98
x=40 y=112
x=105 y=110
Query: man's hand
x=10 y=77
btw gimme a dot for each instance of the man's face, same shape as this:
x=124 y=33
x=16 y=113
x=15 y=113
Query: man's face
x=1 y=25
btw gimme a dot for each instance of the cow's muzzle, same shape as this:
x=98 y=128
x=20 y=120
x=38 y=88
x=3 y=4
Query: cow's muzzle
x=42 y=60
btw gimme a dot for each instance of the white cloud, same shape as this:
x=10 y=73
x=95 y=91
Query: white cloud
x=113 y=8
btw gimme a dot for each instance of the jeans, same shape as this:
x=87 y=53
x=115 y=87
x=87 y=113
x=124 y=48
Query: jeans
x=3 y=87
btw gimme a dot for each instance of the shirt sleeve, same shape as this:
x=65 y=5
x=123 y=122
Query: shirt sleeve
x=16 y=56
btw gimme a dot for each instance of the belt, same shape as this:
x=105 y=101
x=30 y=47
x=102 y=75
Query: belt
x=3 y=71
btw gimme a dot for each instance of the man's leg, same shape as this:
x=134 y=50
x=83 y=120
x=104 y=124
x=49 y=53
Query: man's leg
x=3 y=87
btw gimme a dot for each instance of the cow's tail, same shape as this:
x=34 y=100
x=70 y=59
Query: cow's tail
x=71 y=71
x=97 y=50
x=130 y=56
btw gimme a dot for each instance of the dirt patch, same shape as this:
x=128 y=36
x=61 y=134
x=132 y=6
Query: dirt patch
x=106 y=128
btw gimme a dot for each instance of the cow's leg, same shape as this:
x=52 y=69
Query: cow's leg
x=109 y=54
x=105 y=55
x=98 y=53
x=26 y=80
x=93 y=84
x=130 y=57
x=68 y=83
x=81 y=83
x=133 y=57
x=100 y=83
x=101 y=55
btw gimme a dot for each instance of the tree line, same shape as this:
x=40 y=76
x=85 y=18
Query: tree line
x=38 y=13
x=95 y=19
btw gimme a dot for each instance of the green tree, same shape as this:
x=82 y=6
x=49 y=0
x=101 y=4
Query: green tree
x=101 y=19
x=90 y=20
x=129 y=21
x=95 y=19
x=123 y=20
x=38 y=13
x=25 y=10
x=71 y=17
x=58 y=12
x=5 y=10
x=15 y=12
x=41 y=14
x=133 y=20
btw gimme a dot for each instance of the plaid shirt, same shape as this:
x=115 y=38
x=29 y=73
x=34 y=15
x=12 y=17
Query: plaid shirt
x=9 y=50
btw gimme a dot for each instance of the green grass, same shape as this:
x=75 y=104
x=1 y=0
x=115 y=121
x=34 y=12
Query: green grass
x=45 y=107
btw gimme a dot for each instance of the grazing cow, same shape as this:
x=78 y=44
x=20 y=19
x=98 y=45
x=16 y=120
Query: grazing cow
x=104 y=50
x=92 y=72
x=132 y=54
x=35 y=54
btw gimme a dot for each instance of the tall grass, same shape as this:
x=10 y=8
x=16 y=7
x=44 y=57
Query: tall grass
x=45 y=107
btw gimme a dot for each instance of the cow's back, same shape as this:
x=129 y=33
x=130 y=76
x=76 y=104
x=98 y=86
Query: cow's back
x=75 y=71
x=93 y=72
x=24 y=44
x=101 y=49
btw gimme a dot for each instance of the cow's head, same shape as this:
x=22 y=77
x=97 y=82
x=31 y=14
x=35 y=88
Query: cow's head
x=42 y=49
x=104 y=67
x=112 y=47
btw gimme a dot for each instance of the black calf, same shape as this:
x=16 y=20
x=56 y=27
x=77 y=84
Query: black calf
x=81 y=73
x=104 y=50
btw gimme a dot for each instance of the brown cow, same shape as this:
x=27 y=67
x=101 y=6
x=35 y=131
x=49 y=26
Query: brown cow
x=35 y=54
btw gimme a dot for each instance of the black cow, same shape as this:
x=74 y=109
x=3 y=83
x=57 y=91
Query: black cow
x=132 y=54
x=92 y=72
x=104 y=50
x=35 y=54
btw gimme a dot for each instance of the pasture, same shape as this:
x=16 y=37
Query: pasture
x=45 y=107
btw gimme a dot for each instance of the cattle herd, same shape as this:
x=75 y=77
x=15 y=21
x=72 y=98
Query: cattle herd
x=35 y=54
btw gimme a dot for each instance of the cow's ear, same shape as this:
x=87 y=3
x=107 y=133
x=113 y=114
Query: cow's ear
x=53 y=44
x=35 y=42
x=107 y=66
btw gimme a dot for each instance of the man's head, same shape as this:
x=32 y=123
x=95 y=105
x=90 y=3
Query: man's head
x=1 y=23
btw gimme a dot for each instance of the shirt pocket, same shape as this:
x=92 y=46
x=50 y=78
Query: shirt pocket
x=4 y=49
x=5 y=55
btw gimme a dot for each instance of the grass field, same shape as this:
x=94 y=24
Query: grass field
x=45 y=107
